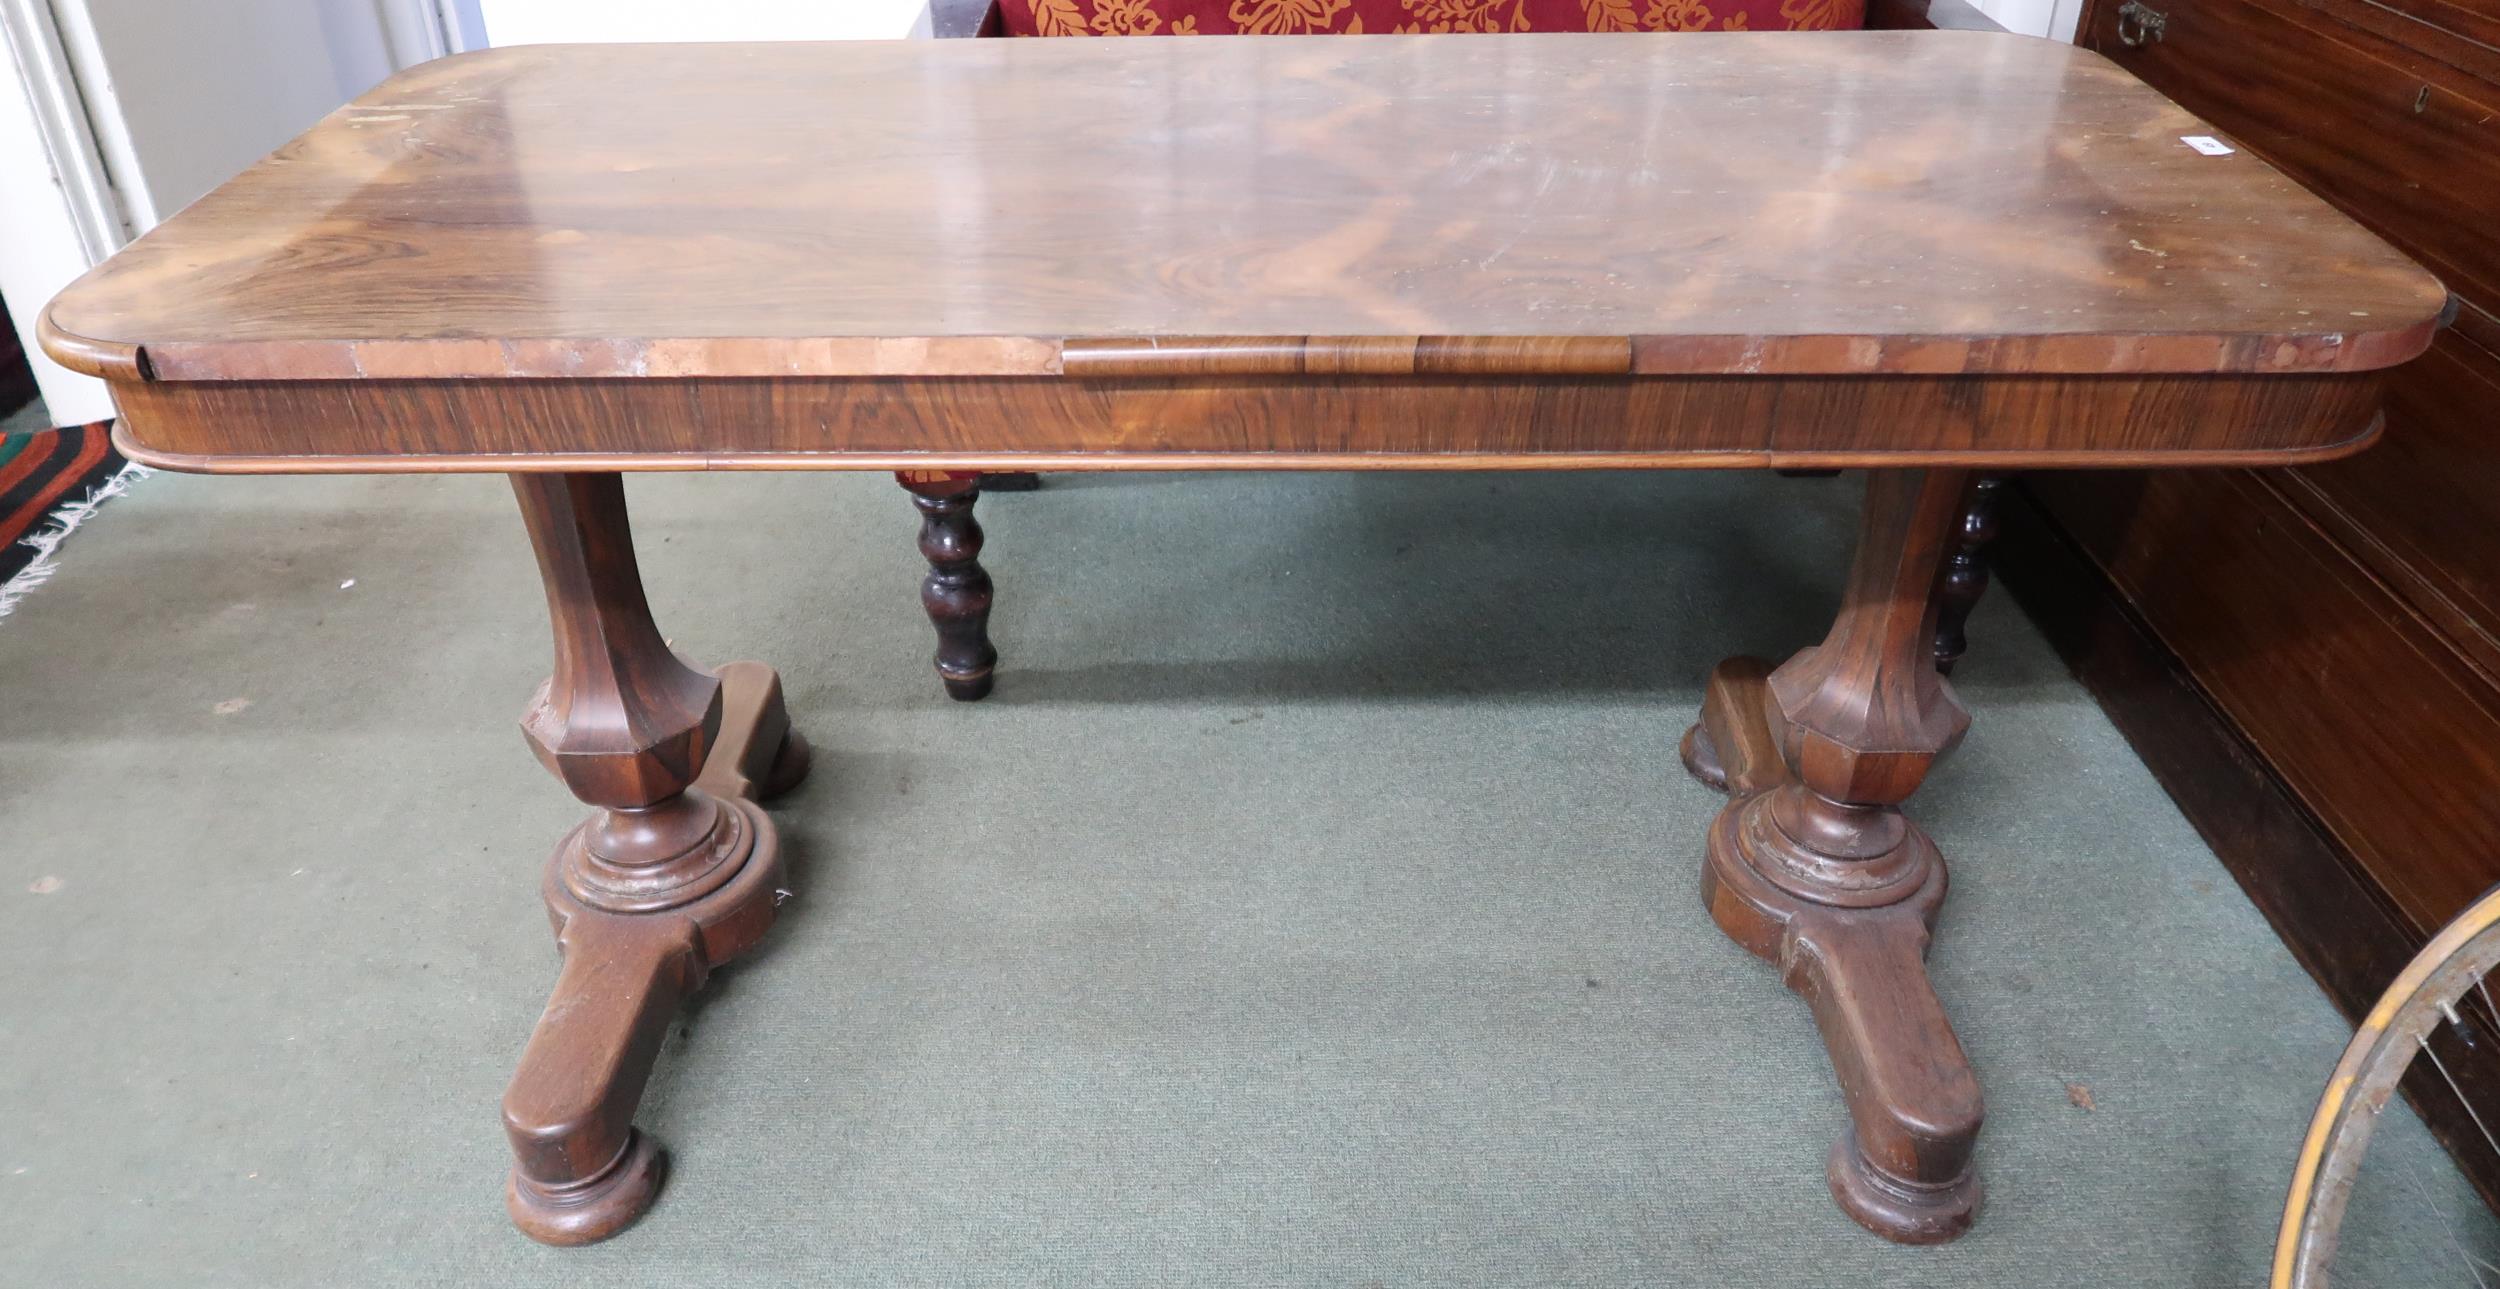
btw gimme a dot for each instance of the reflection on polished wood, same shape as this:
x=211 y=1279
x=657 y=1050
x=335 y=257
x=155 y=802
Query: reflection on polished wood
x=1924 y=202
x=1937 y=248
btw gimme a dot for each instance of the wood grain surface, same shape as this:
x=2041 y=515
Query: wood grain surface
x=1689 y=204
x=1235 y=422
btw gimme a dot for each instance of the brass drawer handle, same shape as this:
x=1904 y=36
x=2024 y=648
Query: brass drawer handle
x=2140 y=24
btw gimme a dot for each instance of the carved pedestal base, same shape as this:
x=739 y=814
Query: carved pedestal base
x=1904 y=1170
x=1849 y=934
x=582 y=1171
x=637 y=942
x=1813 y=867
x=676 y=871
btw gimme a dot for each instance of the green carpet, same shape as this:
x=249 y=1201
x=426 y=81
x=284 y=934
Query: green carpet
x=1312 y=905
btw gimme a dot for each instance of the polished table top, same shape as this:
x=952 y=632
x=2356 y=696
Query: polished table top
x=1688 y=203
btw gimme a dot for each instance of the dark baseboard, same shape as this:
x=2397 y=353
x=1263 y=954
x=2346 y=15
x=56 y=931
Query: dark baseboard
x=2337 y=924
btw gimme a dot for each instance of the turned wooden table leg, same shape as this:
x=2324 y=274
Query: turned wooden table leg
x=956 y=591
x=1812 y=865
x=1966 y=574
x=674 y=874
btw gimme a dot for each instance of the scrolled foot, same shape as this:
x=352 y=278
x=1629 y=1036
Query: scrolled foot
x=1732 y=749
x=582 y=1171
x=1897 y=1208
x=1701 y=758
x=1913 y=1100
x=758 y=754
x=587 y=1212
x=790 y=766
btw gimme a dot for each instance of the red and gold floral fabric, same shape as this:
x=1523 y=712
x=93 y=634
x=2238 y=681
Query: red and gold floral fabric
x=1355 y=17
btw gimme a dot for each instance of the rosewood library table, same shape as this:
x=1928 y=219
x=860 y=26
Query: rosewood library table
x=1926 y=254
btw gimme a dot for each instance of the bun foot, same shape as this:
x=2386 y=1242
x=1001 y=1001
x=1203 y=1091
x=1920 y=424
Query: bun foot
x=1896 y=1208
x=590 y=1211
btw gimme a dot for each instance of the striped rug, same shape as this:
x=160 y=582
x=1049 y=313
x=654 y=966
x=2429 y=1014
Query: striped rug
x=42 y=472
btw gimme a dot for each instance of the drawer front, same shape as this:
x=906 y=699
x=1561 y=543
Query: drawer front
x=2403 y=142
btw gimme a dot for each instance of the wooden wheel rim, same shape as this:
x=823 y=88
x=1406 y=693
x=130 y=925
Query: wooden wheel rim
x=2365 y=1078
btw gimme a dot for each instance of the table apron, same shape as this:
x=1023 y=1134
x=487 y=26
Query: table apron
x=1062 y=423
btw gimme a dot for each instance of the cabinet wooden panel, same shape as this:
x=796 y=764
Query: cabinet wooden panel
x=2378 y=121
x=2311 y=657
x=2348 y=695
x=2375 y=581
x=2420 y=510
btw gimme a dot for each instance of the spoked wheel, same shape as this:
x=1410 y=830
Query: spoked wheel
x=2451 y=967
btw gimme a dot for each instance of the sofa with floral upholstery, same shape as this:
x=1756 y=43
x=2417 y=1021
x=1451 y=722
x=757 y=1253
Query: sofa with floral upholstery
x=1380 y=17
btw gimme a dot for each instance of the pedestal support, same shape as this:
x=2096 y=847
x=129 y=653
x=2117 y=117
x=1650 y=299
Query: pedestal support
x=1812 y=865
x=675 y=872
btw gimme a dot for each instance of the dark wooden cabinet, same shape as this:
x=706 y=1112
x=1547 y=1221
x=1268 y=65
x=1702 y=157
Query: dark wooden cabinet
x=2310 y=658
